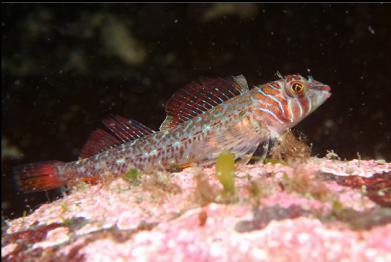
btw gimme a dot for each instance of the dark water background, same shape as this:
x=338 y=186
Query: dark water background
x=65 y=67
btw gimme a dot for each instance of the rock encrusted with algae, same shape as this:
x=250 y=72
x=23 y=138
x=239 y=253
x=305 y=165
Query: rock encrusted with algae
x=319 y=209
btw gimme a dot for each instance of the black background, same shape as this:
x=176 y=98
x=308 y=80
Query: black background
x=67 y=66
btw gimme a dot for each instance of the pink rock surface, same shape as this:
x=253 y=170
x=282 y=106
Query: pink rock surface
x=300 y=212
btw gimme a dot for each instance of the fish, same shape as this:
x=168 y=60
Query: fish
x=203 y=119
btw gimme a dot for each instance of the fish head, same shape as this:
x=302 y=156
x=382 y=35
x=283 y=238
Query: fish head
x=303 y=96
x=290 y=99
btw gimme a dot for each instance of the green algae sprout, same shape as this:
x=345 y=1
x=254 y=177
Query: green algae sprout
x=225 y=169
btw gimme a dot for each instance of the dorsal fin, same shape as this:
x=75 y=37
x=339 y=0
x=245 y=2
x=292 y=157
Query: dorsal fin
x=123 y=130
x=98 y=141
x=198 y=97
x=167 y=123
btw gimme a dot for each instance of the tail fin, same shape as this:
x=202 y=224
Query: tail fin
x=39 y=176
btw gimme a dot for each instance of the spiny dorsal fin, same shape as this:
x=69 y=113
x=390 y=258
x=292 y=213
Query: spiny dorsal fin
x=167 y=123
x=241 y=80
x=123 y=130
x=198 y=97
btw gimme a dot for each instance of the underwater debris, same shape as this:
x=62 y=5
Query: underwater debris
x=303 y=182
x=262 y=187
x=262 y=217
x=291 y=148
x=203 y=216
x=204 y=193
x=332 y=155
x=160 y=182
x=360 y=220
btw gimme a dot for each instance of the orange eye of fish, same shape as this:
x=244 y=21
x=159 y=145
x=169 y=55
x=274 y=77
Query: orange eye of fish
x=297 y=88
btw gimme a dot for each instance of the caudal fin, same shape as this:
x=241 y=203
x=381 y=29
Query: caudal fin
x=39 y=176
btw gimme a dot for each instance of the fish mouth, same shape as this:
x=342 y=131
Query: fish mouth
x=322 y=92
x=325 y=88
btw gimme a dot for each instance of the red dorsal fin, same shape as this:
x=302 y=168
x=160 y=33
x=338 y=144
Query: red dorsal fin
x=198 y=97
x=126 y=129
x=123 y=130
x=98 y=141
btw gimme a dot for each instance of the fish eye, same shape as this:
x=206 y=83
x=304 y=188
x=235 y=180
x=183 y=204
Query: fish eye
x=297 y=88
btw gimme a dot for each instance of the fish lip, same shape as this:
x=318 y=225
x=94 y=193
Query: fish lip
x=327 y=94
x=323 y=91
x=325 y=88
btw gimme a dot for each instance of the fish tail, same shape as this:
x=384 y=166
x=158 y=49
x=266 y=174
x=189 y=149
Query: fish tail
x=39 y=176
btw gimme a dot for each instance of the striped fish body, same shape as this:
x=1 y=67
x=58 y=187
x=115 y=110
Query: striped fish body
x=203 y=120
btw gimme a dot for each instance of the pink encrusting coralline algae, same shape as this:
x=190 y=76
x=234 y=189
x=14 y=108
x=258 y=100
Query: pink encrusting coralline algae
x=279 y=212
x=203 y=120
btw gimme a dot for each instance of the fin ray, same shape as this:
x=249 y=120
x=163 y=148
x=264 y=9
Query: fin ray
x=198 y=97
x=98 y=141
x=40 y=176
x=122 y=130
x=126 y=129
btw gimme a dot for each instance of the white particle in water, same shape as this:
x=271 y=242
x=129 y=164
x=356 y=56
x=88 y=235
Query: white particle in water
x=371 y=30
